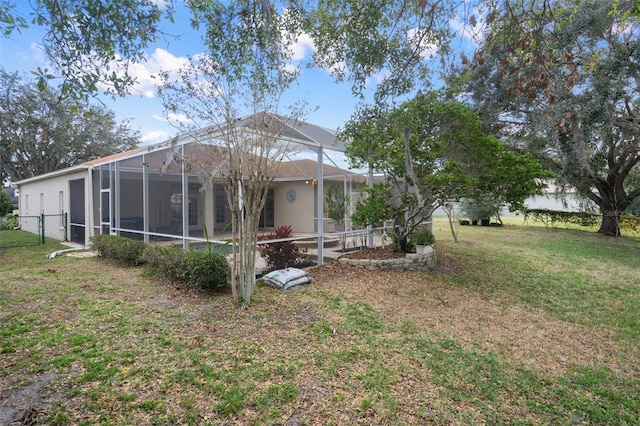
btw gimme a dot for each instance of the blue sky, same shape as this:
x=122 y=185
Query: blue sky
x=330 y=103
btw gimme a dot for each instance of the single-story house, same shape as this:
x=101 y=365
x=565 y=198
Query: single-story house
x=169 y=192
x=556 y=198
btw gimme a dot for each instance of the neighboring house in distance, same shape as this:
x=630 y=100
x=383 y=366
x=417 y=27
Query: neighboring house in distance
x=12 y=193
x=171 y=191
x=554 y=198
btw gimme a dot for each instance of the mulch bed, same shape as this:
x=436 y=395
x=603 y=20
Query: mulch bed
x=384 y=252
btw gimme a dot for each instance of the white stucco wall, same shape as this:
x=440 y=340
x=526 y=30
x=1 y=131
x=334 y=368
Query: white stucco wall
x=567 y=202
x=49 y=197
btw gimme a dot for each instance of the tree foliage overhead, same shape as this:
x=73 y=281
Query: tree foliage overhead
x=248 y=39
x=89 y=42
x=42 y=133
x=561 y=80
x=433 y=151
x=357 y=40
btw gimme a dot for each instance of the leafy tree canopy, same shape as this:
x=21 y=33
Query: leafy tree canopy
x=433 y=151
x=42 y=133
x=401 y=39
x=91 y=43
x=87 y=40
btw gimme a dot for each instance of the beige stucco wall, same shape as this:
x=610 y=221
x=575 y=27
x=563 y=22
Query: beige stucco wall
x=299 y=214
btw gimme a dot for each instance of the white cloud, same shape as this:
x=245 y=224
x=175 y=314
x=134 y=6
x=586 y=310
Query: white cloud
x=304 y=44
x=338 y=68
x=290 y=68
x=474 y=34
x=171 y=118
x=146 y=73
x=627 y=29
x=37 y=52
x=378 y=77
x=420 y=39
x=297 y=51
x=154 y=137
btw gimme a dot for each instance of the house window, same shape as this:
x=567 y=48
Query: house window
x=176 y=205
x=220 y=205
x=193 y=211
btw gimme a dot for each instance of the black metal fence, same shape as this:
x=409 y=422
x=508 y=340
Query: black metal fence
x=37 y=229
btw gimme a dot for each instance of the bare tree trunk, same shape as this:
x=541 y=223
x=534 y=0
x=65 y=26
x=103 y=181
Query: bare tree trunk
x=612 y=204
x=448 y=208
x=610 y=225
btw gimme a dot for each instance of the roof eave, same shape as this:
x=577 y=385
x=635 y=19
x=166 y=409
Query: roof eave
x=61 y=172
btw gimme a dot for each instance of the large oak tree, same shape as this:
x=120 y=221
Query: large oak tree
x=561 y=79
x=42 y=132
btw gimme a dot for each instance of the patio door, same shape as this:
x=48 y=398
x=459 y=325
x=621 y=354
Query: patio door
x=77 y=215
x=106 y=211
x=267 y=217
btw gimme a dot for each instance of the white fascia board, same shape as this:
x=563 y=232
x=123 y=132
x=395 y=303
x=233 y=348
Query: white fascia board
x=61 y=172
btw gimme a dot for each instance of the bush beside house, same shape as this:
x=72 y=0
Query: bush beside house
x=201 y=270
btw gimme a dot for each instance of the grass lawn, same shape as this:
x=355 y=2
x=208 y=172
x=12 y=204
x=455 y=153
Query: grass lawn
x=517 y=325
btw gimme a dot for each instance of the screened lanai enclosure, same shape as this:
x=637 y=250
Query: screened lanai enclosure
x=165 y=194
x=173 y=192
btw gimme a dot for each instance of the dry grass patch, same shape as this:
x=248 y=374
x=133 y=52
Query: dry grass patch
x=490 y=322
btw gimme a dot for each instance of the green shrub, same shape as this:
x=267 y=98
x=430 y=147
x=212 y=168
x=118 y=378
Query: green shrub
x=283 y=254
x=630 y=223
x=558 y=216
x=119 y=249
x=9 y=222
x=479 y=209
x=202 y=270
x=421 y=235
x=5 y=203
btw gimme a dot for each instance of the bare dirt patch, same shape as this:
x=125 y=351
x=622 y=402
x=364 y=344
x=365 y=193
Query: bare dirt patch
x=28 y=404
x=82 y=254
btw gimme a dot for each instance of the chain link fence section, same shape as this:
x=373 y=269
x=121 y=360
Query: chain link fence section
x=37 y=229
